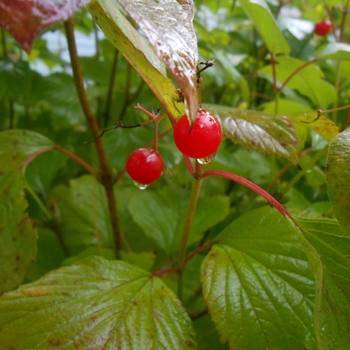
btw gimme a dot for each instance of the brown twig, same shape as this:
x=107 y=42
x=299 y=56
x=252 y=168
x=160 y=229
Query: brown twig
x=106 y=176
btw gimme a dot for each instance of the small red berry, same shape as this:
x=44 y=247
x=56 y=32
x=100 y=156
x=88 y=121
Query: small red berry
x=323 y=27
x=202 y=139
x=144 y=166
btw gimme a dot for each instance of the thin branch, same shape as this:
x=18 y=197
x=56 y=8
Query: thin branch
x=198 y=250
x=79 y=160
x=106 y=176
x=3 y=42
x=296 y=72
x=164 y=272
x=252 y=186
x=110 y=87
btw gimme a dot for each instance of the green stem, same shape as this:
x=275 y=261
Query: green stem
x=110 y=87
x=196 y=187
x=39 y=202
x=3 y=43
x=309 y=165
x=106 y=175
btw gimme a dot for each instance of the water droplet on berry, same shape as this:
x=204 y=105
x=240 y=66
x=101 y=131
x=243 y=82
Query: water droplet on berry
x=140 y=186
x=206 y=160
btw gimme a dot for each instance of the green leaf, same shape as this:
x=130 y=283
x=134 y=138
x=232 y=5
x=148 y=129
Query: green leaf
x=338 y=177
x=336 y=51
x=259 y=285
x=318 y=123
x=332 y=244
x=162 y=216
x=49 y=256
x=308 y=81
x=17 y=234
x=16 y=80
x=136 y=50
x=83 y=212
x=272 y=135
x=168 y=27
x=96 y=304
x=263 y=20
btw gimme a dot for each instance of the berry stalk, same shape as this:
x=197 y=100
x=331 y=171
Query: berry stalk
x=253 y=187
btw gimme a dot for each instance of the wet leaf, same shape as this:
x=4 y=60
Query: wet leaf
x=168 y=26
x=332 y=271
x=17 y=233
x=272 y=135
x=136 y=50
x=264 y=21
x=162 y=216
x=259 y=285
x=24 y=20
x=318 y=123
x=95 y=304
x=338 y=177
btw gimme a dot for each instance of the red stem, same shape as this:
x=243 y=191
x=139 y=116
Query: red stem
x=252 y=186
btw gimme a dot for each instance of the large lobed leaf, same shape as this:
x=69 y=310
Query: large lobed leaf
x=168 y=26
x=259 y=285
x=17 y=233
x=338 y=177
x=24 y=20
x=96 y=304
x=272 y=135
x=136 y=50
x=331 y=266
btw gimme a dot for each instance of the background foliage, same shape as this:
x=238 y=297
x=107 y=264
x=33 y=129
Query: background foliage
x=89 y=261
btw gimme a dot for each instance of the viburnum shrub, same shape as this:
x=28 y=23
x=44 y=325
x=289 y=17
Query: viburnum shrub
x=323 y=27
x=201 y=139
x=209 y=257
x=144 y=166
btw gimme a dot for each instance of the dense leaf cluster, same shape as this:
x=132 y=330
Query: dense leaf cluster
x=248 y=252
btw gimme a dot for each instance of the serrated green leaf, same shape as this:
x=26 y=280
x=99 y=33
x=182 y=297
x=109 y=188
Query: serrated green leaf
x=332 y=244
x=259 y=12
x=83 y=212
x=96 y=304
x=136 y=50
x=308 y=81
x=318 y=123
x=259 y=285
x=272 y=135
x=17 y=234
x=338 y=177
x=162 y=216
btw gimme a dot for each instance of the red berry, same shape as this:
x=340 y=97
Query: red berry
x=323 y=27
x=200 y=141
x=144 y=166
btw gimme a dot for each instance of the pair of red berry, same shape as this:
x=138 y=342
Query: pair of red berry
x=200 y=140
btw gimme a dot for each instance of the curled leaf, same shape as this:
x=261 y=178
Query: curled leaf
x=167 y=25
x=24 y=20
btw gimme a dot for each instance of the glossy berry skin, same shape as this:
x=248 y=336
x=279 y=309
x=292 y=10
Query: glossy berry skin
x=200 y=141
x=144 y=166
x=323 y=27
